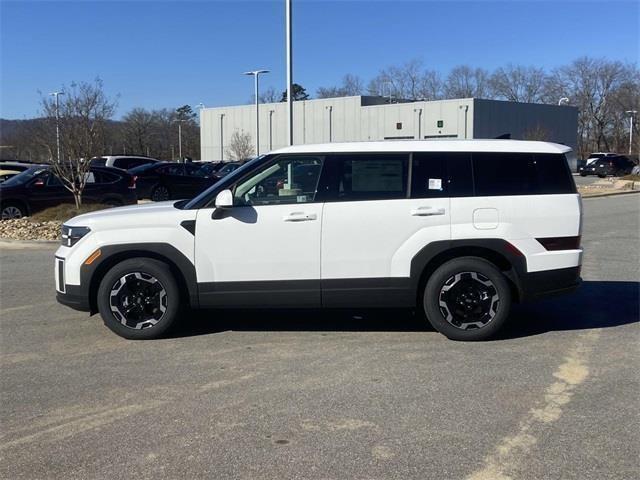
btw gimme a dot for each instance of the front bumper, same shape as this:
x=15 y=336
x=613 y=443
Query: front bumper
x=547 y=283
x=74 y=297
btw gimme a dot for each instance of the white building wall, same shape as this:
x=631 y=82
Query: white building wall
x=347 y=119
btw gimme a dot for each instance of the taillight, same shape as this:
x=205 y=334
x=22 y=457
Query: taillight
x=132 y=181
x=560 y=243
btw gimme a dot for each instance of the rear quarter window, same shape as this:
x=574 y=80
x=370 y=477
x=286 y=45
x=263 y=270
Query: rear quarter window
x=498 y=174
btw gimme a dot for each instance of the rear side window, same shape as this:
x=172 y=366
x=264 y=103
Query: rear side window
x=503 y=174
x=521 y=174
x=439 y=174
x=428 y=175
x=365 y=177
x=99 y=162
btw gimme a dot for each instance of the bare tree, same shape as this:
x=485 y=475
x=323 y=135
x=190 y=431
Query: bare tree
x=84 y=112
x=240 y=147
x=351 y=85
x=400 y=82
x=138 y=130
x=466 y=82
x=592 y=85
x=516 y=83
x=269 y=95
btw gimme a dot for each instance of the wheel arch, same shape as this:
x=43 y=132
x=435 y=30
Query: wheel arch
x=497 y=251
x=16 y=201
x=180 y=266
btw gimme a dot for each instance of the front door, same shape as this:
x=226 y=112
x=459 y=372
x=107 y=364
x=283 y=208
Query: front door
x=265 y=250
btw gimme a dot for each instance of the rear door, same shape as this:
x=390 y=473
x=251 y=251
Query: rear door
x=378 y=214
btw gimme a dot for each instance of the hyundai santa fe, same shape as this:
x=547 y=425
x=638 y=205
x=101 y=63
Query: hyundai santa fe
x=457 y=229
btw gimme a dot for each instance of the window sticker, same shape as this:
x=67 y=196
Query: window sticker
x=301 y=198
x=435 y=184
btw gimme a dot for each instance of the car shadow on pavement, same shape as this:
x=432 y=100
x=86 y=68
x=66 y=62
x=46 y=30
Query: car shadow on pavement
x=596 y=304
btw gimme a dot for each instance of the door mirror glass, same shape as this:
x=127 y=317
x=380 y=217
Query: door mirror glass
x=224 y=199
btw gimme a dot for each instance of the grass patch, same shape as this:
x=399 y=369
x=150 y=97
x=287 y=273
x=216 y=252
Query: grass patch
x=65 y=211
x=631 y=177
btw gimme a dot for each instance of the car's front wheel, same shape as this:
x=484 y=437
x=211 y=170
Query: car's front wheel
x=467 y=298
x=139 y=298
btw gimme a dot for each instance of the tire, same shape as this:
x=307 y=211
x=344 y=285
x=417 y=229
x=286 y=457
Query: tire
x=583 y=174
x=112 y=202
x=468 y=286
x=160 y=193
x=154 y=305
x=13 y=210
x=602 y=176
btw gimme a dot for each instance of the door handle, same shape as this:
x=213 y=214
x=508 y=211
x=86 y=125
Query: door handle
x=427 y=211
x=299 y=217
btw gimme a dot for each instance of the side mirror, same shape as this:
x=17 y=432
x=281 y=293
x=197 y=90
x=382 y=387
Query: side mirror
x=224 y=199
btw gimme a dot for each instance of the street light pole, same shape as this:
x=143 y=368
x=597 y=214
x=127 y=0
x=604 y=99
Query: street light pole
x=256 y=74
x=57 y=94
x=289 y=73
x=631 y=115
x=180 y=140
x=563 y=99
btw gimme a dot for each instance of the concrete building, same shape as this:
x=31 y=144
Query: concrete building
x=363 y=118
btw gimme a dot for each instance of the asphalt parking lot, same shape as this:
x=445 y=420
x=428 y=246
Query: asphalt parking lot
x=329 y=395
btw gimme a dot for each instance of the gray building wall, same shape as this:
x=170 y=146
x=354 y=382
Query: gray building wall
x=371 y=118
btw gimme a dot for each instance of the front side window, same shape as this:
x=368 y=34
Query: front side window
x=361 y=177
x=289 y=179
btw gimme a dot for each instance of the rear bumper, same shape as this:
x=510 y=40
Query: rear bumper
x=547 y=283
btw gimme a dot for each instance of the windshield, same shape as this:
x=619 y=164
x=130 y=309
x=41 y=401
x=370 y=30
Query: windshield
x=25 y=176
x=201 y=199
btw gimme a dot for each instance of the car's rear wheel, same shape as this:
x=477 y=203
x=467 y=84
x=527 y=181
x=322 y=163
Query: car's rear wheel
x=160 y=193
x=467 y=298
x=12 y=211
x=139 y=298
x=112 y=202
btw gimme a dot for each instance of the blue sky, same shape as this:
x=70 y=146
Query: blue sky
x=158 y=54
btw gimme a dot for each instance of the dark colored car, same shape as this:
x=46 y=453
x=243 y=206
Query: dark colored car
x=37 y=188
x=168 y=180
x=613 y=166
x=227 y=168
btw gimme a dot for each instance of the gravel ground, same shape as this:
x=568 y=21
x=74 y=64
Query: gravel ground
x=26 y=229
x=329 y=395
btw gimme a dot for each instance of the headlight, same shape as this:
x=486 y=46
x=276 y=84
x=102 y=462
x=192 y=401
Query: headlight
x=71 y=235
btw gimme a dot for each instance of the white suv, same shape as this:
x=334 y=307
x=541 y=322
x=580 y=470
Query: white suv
x=459 y=229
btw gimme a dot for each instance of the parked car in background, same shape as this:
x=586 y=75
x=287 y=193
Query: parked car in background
x=10 y=169
x=587 y=166
x=125 y=162
x=617 y=166
x=38 y=188
x=169 y=180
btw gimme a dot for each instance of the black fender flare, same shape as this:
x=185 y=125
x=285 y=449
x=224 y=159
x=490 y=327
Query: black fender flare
x=90 y=275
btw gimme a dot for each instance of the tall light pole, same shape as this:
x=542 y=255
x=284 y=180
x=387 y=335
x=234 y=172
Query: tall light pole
x=256 y=74
x=179 y=139
x=57 y=94
x=631 y=115
x=289 y=73
x=562 y=100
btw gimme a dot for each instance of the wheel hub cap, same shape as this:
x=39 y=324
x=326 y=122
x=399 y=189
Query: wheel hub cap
x=468 y=300
x=138 y=300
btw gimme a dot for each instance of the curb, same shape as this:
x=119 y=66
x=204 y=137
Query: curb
x=10 y=242
x=613 y=194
